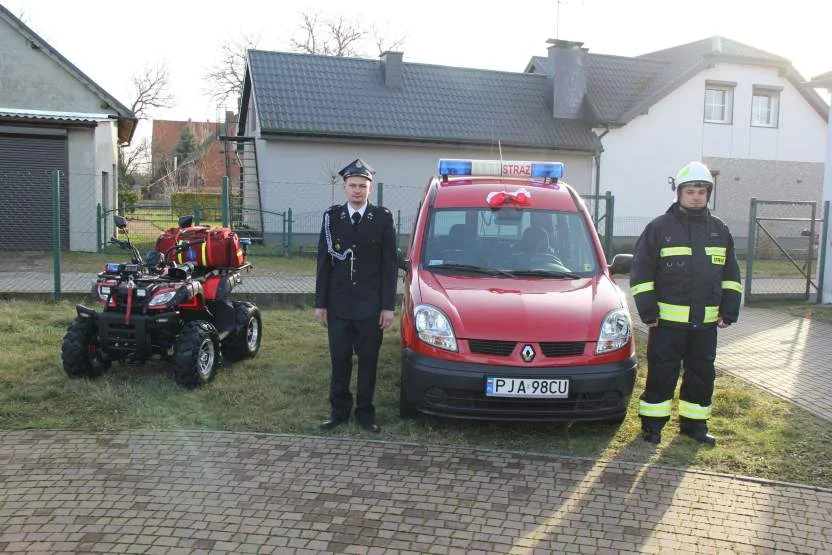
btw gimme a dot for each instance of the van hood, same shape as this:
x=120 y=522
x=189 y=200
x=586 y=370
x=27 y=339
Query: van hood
x=521 y=309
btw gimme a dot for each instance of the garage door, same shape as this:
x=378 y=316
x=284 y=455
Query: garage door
x=26 y=166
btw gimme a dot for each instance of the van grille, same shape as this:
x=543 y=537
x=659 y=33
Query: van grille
x=564 y=349
x=505 y=348
x=486 y=347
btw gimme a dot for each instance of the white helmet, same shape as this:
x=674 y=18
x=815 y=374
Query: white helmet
x=694 y=173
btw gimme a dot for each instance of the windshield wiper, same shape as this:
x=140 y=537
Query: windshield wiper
x=547 y=273
x=471 y=268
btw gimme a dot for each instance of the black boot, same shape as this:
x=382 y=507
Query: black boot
x=700 y=434
x=651 y=435
x=651 y=429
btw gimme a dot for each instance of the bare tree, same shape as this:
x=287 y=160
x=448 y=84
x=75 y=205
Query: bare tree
x=151 y=90
x=225 y=79
x=339 y=37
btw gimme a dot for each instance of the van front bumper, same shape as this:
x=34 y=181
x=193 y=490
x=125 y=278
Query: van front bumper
x=455 y=389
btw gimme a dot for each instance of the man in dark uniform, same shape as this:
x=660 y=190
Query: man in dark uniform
x=686 y=283
x=355 y=293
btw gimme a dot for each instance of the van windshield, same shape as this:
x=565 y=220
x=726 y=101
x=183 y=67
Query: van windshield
x=543 y=243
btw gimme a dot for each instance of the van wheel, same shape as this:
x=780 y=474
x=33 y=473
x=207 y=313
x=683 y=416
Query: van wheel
x=406 y=409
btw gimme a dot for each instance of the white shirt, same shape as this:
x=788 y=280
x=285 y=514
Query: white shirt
x=360 y=210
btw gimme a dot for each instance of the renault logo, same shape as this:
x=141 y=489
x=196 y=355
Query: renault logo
x=527 y=353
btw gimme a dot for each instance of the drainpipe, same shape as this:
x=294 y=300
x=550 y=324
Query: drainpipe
x=598 y=176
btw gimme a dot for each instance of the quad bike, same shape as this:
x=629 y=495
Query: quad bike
x=159 y=308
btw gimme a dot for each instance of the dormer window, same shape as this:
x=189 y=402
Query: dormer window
x=765 y=106
x=719 y=102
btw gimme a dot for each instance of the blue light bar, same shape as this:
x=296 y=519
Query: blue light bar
x=112 y=267
x=547 y=169
x=501 y=168
x=455 y=167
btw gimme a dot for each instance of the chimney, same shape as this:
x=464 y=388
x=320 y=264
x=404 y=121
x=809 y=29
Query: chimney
x=567 y=59
x=391 y=67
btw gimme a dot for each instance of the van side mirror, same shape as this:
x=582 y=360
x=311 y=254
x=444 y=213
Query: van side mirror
x=621 y=264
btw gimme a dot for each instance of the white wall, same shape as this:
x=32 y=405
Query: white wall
x=303 y=175
x=639 y=157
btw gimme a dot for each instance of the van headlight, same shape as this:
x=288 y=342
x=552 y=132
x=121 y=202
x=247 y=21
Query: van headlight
x=615 y=331
x=433 y=327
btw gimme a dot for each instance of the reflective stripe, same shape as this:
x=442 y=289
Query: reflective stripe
x=711 y=314
x=657 y=410
x=732 y=286
x=694 y=411
x=674 y=312
x=675 y=251
x=720 y=251
x=642 y=287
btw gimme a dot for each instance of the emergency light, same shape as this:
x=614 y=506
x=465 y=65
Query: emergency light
x=500 y=168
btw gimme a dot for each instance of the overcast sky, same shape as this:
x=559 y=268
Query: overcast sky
x=112 y=40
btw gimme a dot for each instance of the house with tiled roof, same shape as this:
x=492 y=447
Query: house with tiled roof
x=619 y=124
x=54 y=117
x=744 y=112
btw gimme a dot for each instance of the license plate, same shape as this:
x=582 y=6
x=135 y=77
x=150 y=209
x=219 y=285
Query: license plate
x=538 y=388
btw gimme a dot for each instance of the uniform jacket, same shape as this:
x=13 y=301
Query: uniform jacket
x=685 y=272
x=364 y=283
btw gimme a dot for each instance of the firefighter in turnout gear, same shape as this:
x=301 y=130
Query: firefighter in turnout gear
x=355 y=293
x=686 y=283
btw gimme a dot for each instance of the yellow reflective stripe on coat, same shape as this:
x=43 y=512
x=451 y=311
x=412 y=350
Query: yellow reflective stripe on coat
x=674 y=312
x=675 y=251
x=657 y=410
x=694 y=411
x=719 y=251
x=643 y=287
x=732 y=286
x=711 y=314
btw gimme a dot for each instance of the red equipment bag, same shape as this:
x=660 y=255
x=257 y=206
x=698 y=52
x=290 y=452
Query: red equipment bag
x=221 y=248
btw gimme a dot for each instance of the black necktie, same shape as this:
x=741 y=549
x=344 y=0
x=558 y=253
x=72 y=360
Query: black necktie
x=356 y=217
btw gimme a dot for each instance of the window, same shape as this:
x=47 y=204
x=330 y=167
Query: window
x=765 y=106
x=719 y=103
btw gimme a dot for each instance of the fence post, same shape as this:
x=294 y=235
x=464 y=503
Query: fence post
x=56 y=235
x=609 y=216
x=224 y=201
x=749 y=248
x=283 y=237
x=823 y=250
x=98 y=218
x=196 y=215
x=380 y=194
x=289 y=243
x=398 y=225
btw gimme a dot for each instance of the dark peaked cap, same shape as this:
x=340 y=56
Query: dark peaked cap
x=357 y=167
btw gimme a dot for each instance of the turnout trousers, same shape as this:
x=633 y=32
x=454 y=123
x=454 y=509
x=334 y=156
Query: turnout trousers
x=669 y=348
x=362 y=338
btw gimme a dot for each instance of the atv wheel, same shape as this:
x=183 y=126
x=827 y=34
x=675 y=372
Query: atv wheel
x=244 y=342
x=79 y=351
x=196 y=359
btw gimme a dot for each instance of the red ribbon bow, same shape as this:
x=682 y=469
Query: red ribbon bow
x=520 y=197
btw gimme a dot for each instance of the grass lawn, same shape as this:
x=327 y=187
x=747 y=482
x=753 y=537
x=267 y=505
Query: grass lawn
x=284 y=389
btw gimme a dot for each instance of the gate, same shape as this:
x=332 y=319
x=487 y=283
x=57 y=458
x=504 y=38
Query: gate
x=602 y=210
x=782 y=258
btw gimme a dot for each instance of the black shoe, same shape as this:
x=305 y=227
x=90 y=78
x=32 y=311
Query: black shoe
x=651 y=436
x=370 y=427
x=701 y=435
x=331 y=423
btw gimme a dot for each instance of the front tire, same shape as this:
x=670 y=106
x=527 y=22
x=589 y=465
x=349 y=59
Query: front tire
x=196 y=354
x=79 y=351
x=244 y=342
